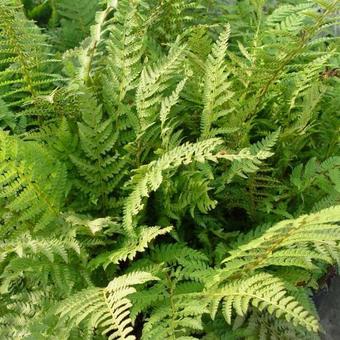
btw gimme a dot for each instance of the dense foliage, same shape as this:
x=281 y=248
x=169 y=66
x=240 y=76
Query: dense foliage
x=169 y=169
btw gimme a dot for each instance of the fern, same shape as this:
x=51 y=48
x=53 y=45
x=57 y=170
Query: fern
x=167 y=129
x=250 y=158
x=153 y=81
x=87 y=306
x=129 y=247
x=33 y=184
x=265 y=293
x=288 y=240
x=125 y=50
x=76 y=20
x=97 y=163
x=168 y=169
x=324 y=176
x=216 y=87
x=148 y=178
x=25 y=66
x=90 y=53
x=173 y=316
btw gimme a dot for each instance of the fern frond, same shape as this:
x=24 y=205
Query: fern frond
x=154 y=80
x=129 y=247
x=189 y=191
x=149 y=177
x=297 y=240
x=264 y=292
x=125 y=49
x=76 y=20
x=216 y=85
x=166 y=106
x=105 y=308
x=25 y=58
x=317 y=181
x=172 y=253
x=249 y=159
x=262 y=325
x=89 y=54
x=33 y=184
x=288 y=18
x=305 y=78
x=175 y=323
x=171 y=17
x=49 y=247
x=7 y=118
x=97 y=161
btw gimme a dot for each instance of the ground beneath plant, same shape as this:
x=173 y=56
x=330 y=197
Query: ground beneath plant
x=328 y=304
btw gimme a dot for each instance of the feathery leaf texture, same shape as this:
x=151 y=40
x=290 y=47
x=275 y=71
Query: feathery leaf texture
x=26 y=68
x=33 y=184
x=216 y=87
x=106 y=308
x=148 y=178
x=168 y=169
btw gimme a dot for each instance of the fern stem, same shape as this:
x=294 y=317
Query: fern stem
x=172 y=306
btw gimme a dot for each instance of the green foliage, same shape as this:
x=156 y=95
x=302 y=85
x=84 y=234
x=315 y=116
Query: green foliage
x=168 y=169
x=89 y=305
x=33 y=185
x=96 y=162
x=216 y=92
x=25 y=71
x=76 y=19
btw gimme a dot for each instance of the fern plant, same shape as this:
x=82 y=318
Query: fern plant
x=168 y=169
x=26 y=65
x=75 y=21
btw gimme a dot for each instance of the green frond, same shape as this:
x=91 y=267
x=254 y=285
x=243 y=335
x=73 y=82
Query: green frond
x=288 y=18
x=262 y=326
x=190 y=191
x=26 y=63
x=125 y=49
x=317 y=182
x=175 y=323
x=148 y=178
x=97 y=161
x=33 y=184
x=264 y=292
x=21 y=309
x=173 y=312
x=175 y=176
x=7 y=118
x=105 y=308
x=92 y=50
x=154 y=80
x=76 y=20
x=249 y=159
x=49 y=247
x=292 y=242
x=145 y=299
x=216 y=85
x=62 y=276
x=307 y=77
x=129 y=247
x=166 y=106
x=172 y=17
x=60 y=138
x=174 y=252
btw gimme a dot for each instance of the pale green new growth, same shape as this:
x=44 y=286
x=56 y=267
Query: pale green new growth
x=180 y=180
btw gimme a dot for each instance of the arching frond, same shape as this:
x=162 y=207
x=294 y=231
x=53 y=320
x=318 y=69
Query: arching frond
x=26 y=64
x=106 y=308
